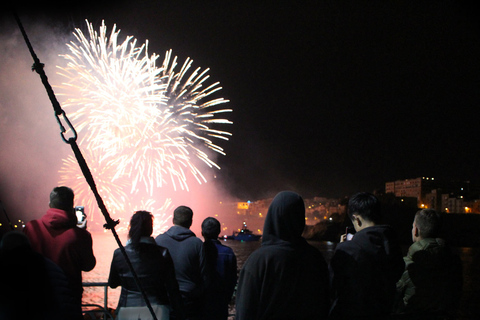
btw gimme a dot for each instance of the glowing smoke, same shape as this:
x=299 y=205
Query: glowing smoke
x=32 y=152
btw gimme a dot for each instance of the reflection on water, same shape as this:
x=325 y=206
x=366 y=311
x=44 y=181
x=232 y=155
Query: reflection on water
x=104 y=244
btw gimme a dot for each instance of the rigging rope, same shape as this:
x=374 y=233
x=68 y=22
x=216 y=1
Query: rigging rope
x=72 y=141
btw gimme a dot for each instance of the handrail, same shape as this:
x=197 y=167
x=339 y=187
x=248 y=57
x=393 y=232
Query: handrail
x=103 y=309
x=105 y=299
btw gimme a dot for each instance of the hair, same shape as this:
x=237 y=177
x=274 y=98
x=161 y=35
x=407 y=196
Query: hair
x=366 y=205
x=210 y=228
x=141 y=225
x=62 y=198
x=183 y=216
x=429 y=222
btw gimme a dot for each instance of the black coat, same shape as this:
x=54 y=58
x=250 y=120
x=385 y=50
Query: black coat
x=365 y=271
x=285 y=278
x=154 y=268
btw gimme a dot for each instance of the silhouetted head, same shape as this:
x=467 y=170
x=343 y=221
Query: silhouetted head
x=62 y=198
x=210 y=228
x=365 y=205
x=183 y=216
x=427 y=224
x=14 y=240
x=285 y=219
x=141 y=225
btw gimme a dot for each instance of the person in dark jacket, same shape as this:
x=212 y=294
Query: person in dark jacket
x=33 y=287
x=154 y=268
x=188 y=257
x=221 y=270
x=431 y=284
x=286 y=278
x=365 y=269
x=57 y=237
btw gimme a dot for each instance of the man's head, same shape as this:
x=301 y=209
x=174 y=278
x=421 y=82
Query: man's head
x=364 y=210
x=210 y=228
x=427 y=224
x=62 y=198
x=183 y=216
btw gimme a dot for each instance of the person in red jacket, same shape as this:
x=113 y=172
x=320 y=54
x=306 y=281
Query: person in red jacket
x=57 y=237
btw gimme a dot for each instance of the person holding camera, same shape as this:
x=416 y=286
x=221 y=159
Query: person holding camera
x=57 y=236
x=366 y=268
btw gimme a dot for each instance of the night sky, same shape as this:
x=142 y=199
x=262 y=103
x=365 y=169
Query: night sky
x=329 y=97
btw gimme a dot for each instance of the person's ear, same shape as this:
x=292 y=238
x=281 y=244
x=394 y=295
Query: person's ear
x=358 y=220
x=416 y=232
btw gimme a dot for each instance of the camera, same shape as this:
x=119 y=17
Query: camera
x=80 y=213
x=350 y=231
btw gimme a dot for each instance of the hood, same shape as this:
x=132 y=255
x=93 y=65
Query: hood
x=59 y=219
x=378 y=241
x=285 y=220
x=180 y=233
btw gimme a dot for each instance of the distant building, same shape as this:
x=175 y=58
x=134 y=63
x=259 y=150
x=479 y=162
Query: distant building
x=443 y=196
x=412 y=188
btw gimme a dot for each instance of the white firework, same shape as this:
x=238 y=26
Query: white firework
x=145 y=123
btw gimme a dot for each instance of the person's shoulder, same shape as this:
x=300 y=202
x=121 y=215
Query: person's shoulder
x=160 y=237
x=349 y=245
x=196 y=241
x=224 y=249
x=30 y=226
x=162 y=250
x=81 y=232
x=77 y=236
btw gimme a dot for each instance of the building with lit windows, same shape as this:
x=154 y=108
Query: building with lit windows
x=444 y=196
x=412 y=188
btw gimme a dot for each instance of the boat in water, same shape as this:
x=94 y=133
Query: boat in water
x=243 y=235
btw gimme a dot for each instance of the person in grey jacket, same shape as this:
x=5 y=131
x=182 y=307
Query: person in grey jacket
x=431 y=285
x=188 y=255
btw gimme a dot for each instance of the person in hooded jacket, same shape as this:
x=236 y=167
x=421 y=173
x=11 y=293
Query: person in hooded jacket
x=57 y=237
x=366 y=268
x=286 y=278
x=188 y=255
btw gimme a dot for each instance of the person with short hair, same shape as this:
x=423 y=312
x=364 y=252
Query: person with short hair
x=222 y=271
x=56 y=236
x=155 y=271
x=431 y=284
x=366 y=268
x=188 y=257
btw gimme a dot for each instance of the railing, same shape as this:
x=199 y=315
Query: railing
x=93 y=309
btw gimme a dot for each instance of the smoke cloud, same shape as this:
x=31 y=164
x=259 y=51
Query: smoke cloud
x=31 y=149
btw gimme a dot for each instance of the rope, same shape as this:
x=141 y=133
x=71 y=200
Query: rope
x=110 y=223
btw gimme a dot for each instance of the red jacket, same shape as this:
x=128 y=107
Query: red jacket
x=56 y=236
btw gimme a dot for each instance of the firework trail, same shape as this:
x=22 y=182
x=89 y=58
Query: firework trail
x=143 y=126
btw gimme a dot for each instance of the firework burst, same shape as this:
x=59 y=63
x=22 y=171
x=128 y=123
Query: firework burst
x=144 y=126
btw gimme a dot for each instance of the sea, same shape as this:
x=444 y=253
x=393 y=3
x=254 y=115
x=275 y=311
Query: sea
x=104 y=244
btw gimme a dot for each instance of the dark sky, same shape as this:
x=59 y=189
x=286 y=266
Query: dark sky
x=329 y=97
